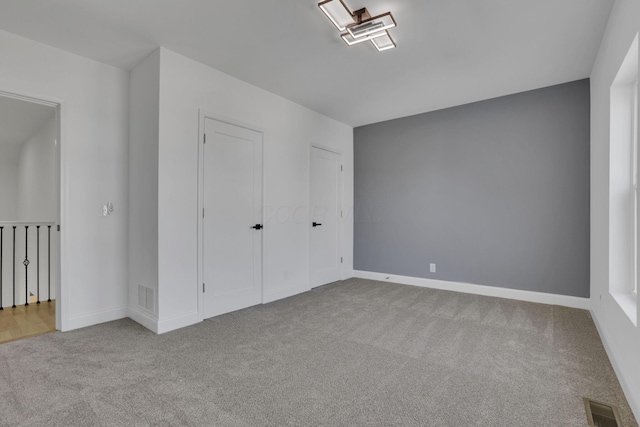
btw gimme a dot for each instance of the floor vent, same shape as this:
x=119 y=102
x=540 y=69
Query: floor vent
x=601 y=415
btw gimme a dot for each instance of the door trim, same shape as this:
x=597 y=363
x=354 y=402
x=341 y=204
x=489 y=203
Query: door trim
x=61 y=171
x=202 y=116
x=340 y=207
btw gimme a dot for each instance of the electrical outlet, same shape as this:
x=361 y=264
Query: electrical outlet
x=432 y=267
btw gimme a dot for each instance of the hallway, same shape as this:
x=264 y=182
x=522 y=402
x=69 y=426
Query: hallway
x=27 y=321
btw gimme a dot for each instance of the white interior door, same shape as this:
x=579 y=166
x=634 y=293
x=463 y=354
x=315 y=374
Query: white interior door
x=232 y=220
x=326 y=183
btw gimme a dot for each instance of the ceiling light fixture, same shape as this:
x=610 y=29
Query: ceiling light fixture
x=372 y=25
x=383 y=43
x=350 y=40
x=338 y=13
x=359 y=25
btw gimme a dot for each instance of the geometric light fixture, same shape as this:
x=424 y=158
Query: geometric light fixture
x=383 y=43
x=359 y=26
x=338 y=13
x=350 y=40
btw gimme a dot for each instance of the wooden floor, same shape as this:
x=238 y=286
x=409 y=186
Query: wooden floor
x=27 y=321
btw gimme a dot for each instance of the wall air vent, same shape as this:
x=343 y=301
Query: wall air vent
x=146 y=298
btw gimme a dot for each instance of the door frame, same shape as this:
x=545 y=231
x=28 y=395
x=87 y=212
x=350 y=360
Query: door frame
x=340 y=207
x=202 y=116
x=61 y=174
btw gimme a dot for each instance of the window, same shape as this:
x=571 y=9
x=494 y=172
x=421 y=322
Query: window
x=624 y=186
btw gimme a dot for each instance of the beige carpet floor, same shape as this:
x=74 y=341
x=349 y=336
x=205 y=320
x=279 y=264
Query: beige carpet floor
x=354 y=353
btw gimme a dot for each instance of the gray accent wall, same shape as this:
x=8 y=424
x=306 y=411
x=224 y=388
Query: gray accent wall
x=494 y=193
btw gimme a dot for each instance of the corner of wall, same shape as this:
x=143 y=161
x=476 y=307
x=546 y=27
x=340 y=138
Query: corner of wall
x=620 y=337
x=146 y=320
x=144 y=93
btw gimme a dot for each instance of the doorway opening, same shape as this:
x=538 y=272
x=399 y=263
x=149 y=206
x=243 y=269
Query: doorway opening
x=29 y=216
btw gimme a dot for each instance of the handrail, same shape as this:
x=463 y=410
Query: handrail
x=25 y=229
x=10 y=223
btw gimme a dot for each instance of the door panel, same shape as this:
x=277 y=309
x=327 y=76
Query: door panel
x=232 y=189
x=324 y=253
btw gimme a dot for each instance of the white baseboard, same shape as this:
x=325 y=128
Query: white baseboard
x=468 y=288
x=633 y=396
x=177 y=322
x=145 y=319
x=284 y=293
x=89 y=319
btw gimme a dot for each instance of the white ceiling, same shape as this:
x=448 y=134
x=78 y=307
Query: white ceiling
x=450 y=52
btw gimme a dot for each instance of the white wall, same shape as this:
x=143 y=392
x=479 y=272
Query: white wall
x=289 y=130
x=37 y=189
x=621 y=337
x=143 y=186
x=94 y=170
x=9 y=157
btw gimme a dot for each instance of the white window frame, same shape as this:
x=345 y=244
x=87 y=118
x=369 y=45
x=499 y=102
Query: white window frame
x=624 y=186
x=634 y=144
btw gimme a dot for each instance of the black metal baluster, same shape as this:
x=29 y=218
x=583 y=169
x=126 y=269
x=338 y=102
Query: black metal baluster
x=49 y=256
x=26 y=264
x=14 y=267
x=1 y=245
x=38 y=260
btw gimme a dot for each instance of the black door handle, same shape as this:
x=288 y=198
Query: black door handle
x=315 y=224
x=258 y=227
